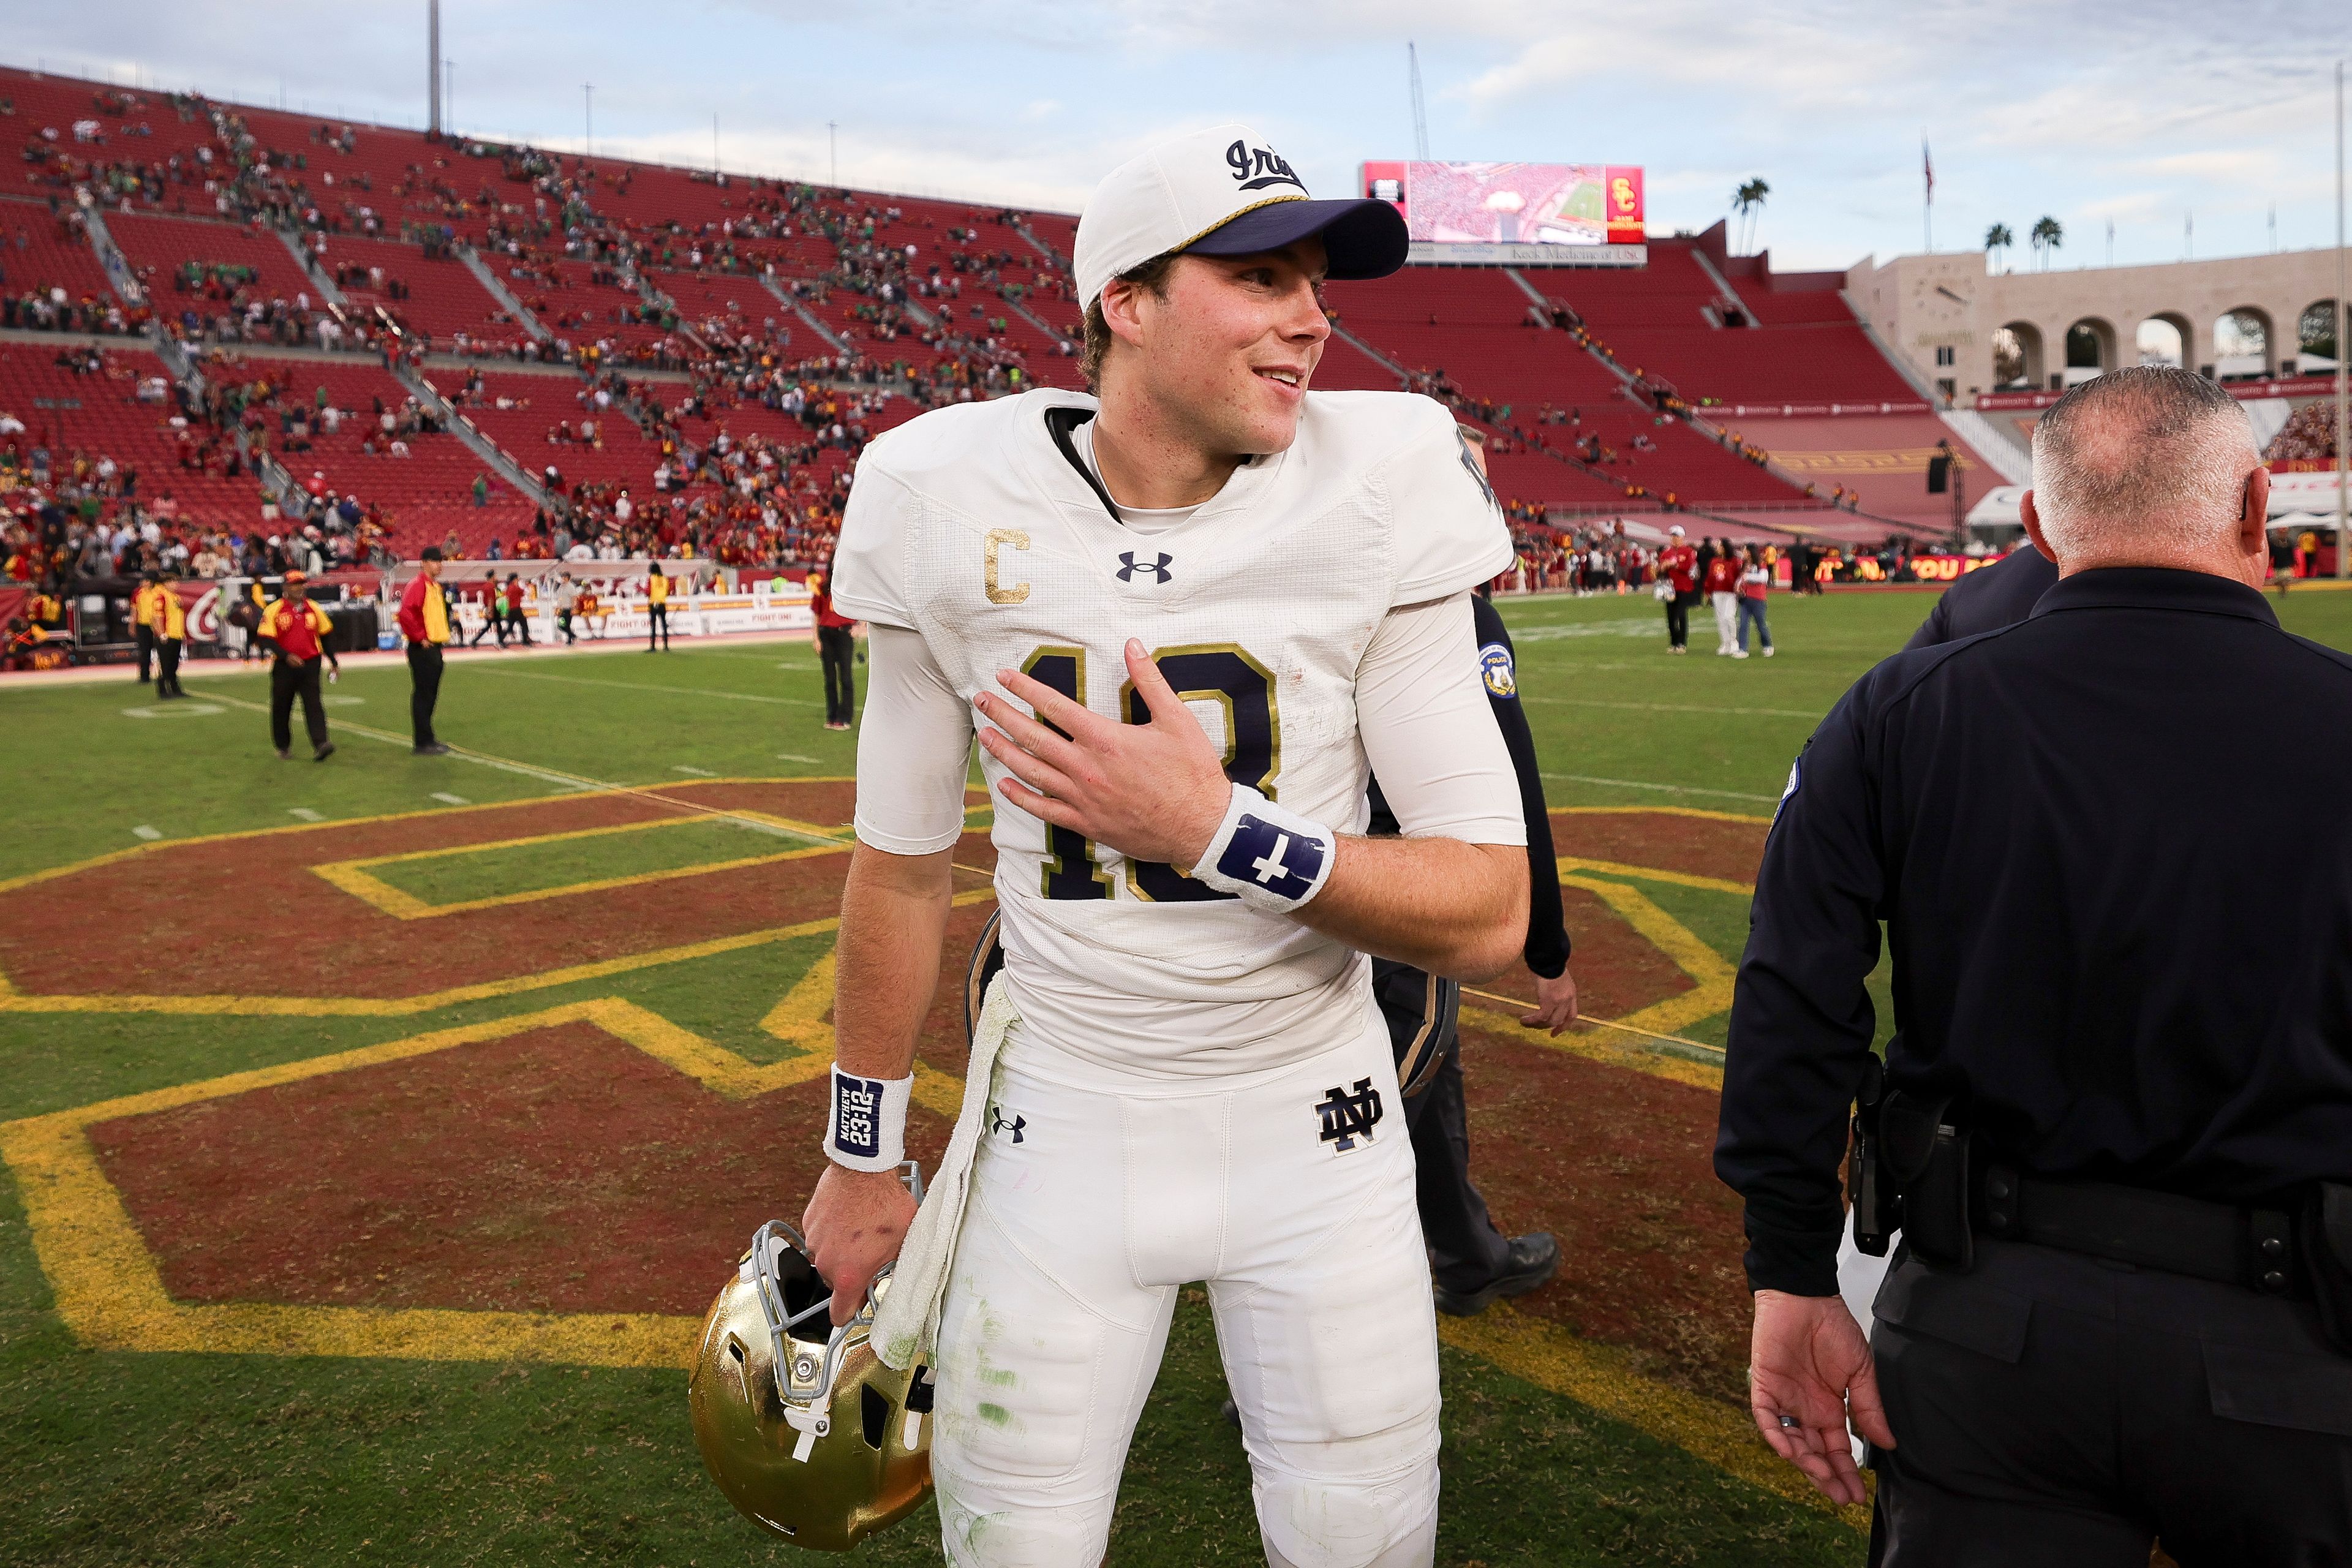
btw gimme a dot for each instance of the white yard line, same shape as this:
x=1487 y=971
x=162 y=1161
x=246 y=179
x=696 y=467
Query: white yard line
x=1676 y=708
x=305 y=813
x=1669 y=789
x=698 y=773
x=560 y=781
x=146 y=832
x=794 y=757
x=664 y=690
x=447 y=798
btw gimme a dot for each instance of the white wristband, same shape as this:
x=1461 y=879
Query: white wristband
x=867 y=1128
x=1272 y=858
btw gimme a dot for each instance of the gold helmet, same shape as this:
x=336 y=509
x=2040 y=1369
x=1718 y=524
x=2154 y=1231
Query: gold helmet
x=800 y=1422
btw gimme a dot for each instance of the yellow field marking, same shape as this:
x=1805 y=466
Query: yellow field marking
x=802 y=1019
x=1599 y=1048
x=1711 y=979
x=27 y=878
x=1600 y=1378
x=1699 y=812
x=354 y=877
x=1709 y=969
x=407 y=1007
x=109 y=1292
x=1571 y=863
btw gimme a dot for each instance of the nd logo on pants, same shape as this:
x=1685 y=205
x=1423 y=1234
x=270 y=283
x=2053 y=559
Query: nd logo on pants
x=1293 y=1197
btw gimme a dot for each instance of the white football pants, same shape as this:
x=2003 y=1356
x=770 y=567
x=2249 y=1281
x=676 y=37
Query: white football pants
x=1092 y=1200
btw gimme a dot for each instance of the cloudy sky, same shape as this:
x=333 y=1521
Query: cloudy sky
x=2145 y=113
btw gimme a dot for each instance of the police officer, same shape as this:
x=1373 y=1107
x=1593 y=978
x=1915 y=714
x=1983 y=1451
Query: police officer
x=1472 y=1264
x=2118 y=1108
x=1989 y=597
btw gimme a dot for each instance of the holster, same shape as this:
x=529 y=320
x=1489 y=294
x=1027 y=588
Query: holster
x=2326 y=1244
x=1910 y=1172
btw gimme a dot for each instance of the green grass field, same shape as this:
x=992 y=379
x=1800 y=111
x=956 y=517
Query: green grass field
x=203 y=1455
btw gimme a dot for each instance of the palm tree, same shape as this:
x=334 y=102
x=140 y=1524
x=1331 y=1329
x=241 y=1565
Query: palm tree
x=2047 y=236
x=1998 y=237
x=1747 y=201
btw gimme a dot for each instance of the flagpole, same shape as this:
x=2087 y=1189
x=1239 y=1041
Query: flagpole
x=1928 y=197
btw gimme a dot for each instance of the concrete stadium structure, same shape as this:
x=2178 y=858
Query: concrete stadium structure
x=1964 y=330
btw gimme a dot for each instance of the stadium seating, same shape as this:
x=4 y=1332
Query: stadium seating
x=1572 y=424
x=424 y=494
x=102 y=415
x=32 y=256
x=157 y=248
x=444 y=298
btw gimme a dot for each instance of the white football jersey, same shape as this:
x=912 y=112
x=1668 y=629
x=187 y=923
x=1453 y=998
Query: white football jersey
x=971 y=526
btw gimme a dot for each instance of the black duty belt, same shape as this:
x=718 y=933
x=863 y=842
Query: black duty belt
x=2231 y=1245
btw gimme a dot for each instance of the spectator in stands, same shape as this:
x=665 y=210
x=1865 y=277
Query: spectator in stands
x=1755 y=582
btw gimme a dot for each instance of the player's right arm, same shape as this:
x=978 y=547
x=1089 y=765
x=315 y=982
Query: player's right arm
x=914 y=754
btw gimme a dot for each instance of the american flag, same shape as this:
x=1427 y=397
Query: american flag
x=1928 y=166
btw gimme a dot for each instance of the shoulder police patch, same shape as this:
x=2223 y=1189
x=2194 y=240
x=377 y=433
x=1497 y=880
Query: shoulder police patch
x=1796 y=775
x=1494 y=669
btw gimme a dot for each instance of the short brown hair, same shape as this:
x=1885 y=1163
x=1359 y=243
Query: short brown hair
x=1150 y=275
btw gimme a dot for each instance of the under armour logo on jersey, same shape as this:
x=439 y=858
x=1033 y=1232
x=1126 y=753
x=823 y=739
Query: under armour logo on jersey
x=997 y=1122
x=1130 y=566
x=1350 y=1116
x=1256 y=168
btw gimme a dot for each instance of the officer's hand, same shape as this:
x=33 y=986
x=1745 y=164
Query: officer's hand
x=1809 y=1360
x=1152 y=791
x=1555 y=1003
x=855 y=1224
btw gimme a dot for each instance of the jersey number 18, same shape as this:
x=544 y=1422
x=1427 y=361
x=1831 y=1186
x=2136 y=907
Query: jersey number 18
x=1199 y=672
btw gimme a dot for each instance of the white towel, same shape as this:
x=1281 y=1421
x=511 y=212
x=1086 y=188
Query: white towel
x=907 y=1324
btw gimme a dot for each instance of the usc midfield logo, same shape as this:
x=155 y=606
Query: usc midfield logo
x=1256 y=168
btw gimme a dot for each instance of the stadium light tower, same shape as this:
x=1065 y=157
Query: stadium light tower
x=433 y=60
x=1420 y=115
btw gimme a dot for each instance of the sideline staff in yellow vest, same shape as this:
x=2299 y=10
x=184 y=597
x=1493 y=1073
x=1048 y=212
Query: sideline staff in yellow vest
x=169 y=621
x=657 y=606
x=142 y=623
x=425 y=622
x=300 y=628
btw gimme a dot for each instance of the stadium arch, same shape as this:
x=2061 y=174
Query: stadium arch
x=2244 y=342
x=2314 y=336
x=2017 y=355
x=2165 y=338
x=2090 y=349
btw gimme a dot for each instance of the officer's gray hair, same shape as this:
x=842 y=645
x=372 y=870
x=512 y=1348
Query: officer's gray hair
x=2149 y=453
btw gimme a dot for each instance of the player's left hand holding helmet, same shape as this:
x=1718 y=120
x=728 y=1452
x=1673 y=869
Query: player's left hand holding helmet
x=799 y=1422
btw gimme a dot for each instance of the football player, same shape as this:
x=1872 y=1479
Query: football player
x=1187 y=618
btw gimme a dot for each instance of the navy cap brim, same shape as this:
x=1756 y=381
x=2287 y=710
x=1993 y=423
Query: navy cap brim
x=1362 y=238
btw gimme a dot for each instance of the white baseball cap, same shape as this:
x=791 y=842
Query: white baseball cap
x=1224 y=192
x=1676 y=529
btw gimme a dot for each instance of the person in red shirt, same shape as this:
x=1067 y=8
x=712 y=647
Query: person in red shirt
x=1720 y=583
x=1678 y=570
x=300 y=630
x=425 y=623
x=835 y=642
